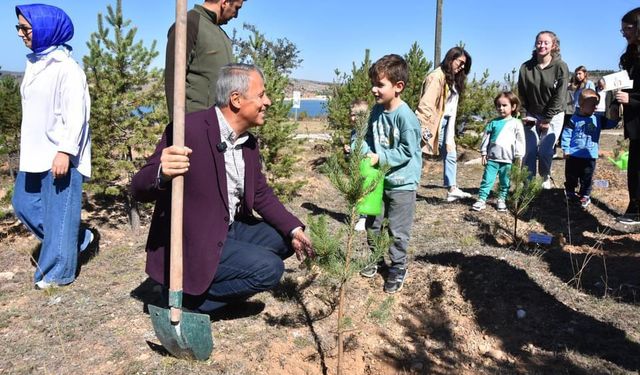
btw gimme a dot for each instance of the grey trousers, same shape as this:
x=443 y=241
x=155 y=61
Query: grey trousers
x=399 y=207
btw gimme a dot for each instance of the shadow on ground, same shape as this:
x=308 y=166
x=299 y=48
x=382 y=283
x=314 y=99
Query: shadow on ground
x=496 y=290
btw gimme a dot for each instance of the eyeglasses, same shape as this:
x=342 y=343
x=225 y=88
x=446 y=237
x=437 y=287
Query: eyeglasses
x=25 y=29
x=627 y=28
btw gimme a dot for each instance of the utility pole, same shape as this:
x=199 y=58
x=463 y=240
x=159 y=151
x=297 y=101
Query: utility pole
x=438 y=39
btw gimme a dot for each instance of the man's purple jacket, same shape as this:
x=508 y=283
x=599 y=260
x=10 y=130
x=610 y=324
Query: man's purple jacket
x=206 y=217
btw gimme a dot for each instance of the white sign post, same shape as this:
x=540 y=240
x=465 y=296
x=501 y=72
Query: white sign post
x=296 y=103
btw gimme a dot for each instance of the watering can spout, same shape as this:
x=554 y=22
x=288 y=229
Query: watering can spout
x=622 y=161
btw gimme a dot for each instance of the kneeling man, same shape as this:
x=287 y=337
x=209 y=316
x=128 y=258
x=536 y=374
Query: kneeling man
x=229 y=254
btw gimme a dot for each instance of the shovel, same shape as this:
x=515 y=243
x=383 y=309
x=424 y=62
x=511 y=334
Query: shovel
x=183 y=334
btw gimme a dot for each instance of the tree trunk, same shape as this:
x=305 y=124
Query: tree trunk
x=340 y=330
x=438 y=34
x=12 y=171
x=133 y=213
x=515 y=222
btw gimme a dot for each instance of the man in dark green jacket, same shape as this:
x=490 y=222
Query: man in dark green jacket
x=208 y=49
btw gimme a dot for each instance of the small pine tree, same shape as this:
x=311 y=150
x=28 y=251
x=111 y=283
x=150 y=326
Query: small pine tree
x=278 y=147
x=346 y=89
x=10 y=119
x=337 y=252
x=418 y=69
x=524 y=190
x=128 y=109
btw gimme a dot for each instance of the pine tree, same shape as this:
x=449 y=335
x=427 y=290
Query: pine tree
x=10 y=118
x=278 y=146
x=418 y=68
x=128 y=111
x=346 y=89
x=524 y=190
x=337 y=252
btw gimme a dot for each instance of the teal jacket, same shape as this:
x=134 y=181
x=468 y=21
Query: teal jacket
x=395 y=137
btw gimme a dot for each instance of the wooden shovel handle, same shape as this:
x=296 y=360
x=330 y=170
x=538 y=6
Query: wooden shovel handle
x=177 y=191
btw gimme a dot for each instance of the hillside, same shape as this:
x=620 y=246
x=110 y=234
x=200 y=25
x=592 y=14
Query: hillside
x=308 y=88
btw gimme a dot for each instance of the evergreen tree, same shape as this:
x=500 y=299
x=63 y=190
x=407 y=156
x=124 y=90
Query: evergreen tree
x=10 y=119
x=127 y=105
x=524 y=190
x=278 y=147
x=338 y=252
x=346 y=89
x=418 y=69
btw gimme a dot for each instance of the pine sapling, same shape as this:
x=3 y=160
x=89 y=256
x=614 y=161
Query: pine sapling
x=524 y=191
x=337 y=250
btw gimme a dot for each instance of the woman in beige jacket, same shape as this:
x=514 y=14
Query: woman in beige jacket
x=439 y=97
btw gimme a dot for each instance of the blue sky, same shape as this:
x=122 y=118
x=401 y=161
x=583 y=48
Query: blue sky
x=332 y=34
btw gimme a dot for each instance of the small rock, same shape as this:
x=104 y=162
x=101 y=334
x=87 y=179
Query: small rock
x=54 y=301
x=6 y=276
x=521 y=314
x=496 y=354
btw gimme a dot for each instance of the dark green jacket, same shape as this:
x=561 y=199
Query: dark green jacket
x=543 y=91
x=208 y=49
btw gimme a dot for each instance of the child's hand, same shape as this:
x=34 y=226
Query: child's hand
x=373 y=158
x=484 y=159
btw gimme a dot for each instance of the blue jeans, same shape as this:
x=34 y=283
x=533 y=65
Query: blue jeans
x=450 y=158
x=540 y=145
x=50 y=208
x=252 y=261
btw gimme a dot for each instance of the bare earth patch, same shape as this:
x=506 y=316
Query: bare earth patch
x=475 y=302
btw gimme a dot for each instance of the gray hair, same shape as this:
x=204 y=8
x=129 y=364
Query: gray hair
x=233 y=78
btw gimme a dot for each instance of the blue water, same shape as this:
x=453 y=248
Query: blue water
x=313 y=108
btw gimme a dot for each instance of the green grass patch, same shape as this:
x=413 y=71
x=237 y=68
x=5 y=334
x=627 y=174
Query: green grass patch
x=382 y=313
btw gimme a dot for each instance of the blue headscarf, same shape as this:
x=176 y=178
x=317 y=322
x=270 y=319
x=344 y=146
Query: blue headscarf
x=50 y=26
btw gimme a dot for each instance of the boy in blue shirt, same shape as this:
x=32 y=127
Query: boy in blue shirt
x=393 y=139
x=579 y=143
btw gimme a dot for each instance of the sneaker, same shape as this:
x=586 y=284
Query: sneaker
x=369 y=271
x=479 y=205
x=546 y=184
x=501 y=206
x=456 y=194
x=628 y=219
x=43 y=285
x=359 y=227
x=395 y=280
x=92 y=249
x=584 y=201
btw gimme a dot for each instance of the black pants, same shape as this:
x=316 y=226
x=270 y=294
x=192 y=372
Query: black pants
x=633 y=176
x=579 y=170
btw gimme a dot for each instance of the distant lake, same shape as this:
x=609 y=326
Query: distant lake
x=313 y=108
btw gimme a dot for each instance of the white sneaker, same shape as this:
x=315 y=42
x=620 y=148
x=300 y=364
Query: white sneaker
x=546 y=184
x=456 y=194
x=359 y=227
x=43 y=285
x=501 y=206
x=479 y=205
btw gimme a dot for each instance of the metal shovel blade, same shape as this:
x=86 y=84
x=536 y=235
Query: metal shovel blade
x=189 y=339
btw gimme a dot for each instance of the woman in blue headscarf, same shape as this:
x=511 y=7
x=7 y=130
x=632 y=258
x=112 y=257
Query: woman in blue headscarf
x=55 y=144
